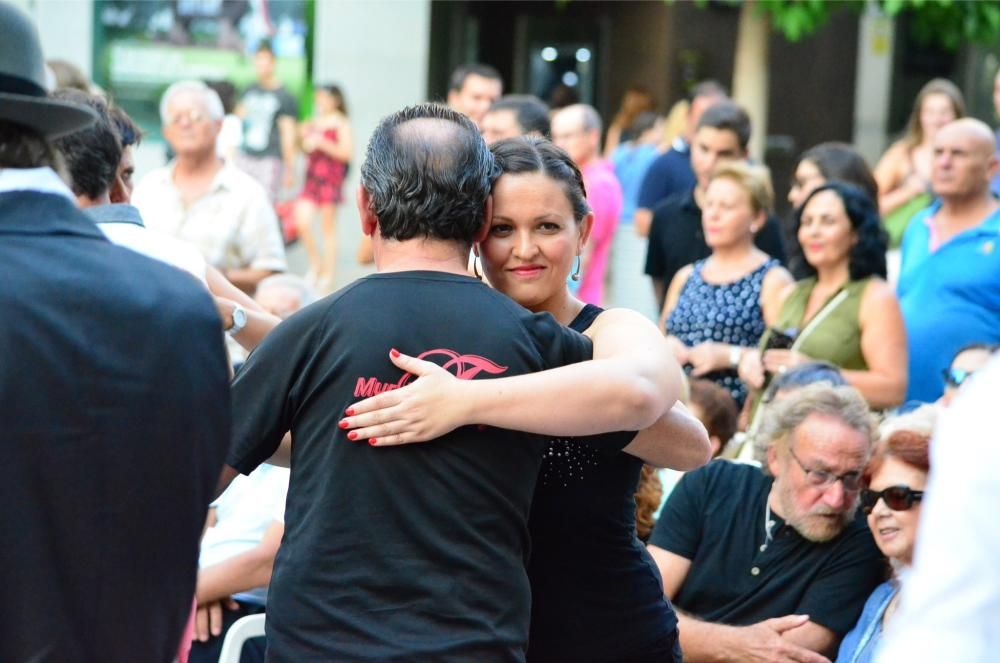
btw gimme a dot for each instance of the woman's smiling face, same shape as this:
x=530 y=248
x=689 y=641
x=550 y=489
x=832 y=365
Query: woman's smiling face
x=533 y=239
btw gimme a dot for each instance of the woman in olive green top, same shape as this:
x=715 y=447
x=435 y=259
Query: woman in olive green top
x=846 y=313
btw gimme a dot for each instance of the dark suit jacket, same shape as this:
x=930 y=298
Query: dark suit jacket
x=114 y=420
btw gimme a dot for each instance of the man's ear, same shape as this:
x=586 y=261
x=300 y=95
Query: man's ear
x=484 y=229
x=772 y=459
x=368 y=220
x=118 y=193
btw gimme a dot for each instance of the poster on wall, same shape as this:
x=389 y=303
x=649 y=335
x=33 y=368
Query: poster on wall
x=142 y=46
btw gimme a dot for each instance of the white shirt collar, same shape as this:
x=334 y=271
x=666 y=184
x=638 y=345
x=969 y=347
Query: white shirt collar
x=43 y=180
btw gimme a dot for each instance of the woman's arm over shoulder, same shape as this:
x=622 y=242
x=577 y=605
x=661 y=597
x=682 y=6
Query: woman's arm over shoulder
x=628 y=385
x=774 y=290
x=633 y=353
x=677 y=440
x=883 y=344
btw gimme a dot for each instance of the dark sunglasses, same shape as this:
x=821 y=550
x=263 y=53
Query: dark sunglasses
x=897 y=498
x=956 y=376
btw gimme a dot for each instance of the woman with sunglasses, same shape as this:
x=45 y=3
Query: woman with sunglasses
x=893 y=487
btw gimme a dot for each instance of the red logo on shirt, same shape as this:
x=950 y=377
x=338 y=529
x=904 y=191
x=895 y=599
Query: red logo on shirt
x=465 y=367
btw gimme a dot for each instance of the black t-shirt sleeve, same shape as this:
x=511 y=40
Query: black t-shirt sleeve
x=656 y=255
x=653 y=189
x=264 y=391
x=769 y=240
x=838 y=595
x=679 y=528
x=288 y=105
x=557 y=345
x=608 y=443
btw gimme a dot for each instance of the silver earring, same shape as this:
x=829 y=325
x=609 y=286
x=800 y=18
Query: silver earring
x=475 y=268
x=576 y=272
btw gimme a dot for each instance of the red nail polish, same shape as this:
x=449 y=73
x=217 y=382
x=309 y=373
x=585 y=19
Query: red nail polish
x=394 y=352
x=372 y=441
x=353 y=435
x=349 y=412
x=343 y=423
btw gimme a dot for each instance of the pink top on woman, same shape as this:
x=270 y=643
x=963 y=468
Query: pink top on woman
x=604 y=195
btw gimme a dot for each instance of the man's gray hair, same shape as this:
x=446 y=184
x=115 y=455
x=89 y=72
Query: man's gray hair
x=209 y=98
x=291 y=282
x=787 y=414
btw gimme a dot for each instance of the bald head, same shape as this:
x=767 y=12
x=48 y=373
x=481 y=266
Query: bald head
x=577 y=129
x=964 y=160
x=427 y=174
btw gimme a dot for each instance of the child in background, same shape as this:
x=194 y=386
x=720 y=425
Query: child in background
x=326 y=141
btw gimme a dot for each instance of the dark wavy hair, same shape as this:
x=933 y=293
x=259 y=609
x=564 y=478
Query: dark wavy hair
x=867 y=256
x=532 y=154
x=92 y=154
x=840 y=161
x=428 y=173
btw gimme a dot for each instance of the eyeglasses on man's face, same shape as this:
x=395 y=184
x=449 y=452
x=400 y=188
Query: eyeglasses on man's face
x=897 y=498
x=822 y=479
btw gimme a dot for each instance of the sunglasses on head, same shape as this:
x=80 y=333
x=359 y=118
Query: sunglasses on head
x=897 y=498
x=954 y=377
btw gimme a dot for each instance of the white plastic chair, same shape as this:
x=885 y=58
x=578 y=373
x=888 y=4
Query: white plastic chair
x=244 y=628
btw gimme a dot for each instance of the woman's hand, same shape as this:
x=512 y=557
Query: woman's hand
x=751 y=369
x=780 y=361
x=680 y=350
x=707 y=357
x=423 y=410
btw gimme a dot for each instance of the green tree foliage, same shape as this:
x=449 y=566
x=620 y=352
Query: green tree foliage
x=946 y=23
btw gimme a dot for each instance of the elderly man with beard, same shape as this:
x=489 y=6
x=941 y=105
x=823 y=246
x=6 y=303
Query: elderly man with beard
x=774 y=565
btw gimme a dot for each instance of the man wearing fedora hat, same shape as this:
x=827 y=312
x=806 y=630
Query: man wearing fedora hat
x=114 y=406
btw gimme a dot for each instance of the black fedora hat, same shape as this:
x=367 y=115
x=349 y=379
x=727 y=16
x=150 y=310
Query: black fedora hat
x=23 y=97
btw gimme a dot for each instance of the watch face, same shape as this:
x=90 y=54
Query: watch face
x=239 y=318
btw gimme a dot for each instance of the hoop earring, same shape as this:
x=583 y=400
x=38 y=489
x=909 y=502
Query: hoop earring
x=475 y=268
x=576 y=272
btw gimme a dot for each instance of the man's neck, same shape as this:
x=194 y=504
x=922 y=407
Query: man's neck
x=958 y=214
x=270 y=83
x=420 y=254
x=197 y=166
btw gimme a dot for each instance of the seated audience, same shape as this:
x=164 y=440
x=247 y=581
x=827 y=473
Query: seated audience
x=893 y=488
x=845 y=313
x=243 y=533
x=749 y=447
x=718 y=307
x=949 y=605
x=774 y=562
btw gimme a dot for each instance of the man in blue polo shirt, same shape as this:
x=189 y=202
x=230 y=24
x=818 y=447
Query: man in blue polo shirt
x=949 y=284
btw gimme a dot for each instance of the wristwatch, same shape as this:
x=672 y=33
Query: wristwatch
x=239 y=320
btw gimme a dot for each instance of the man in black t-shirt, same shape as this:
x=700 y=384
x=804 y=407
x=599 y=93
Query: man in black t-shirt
x=778 y=564
x=413 y=552
x=676 y=237
x=269 y=114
